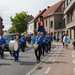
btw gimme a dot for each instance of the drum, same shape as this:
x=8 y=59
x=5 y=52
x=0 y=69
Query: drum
x=13 y=45
x=35 y=46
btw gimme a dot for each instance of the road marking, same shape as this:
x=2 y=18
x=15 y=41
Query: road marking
x=48 y=70
x=72 y=55
x=73 y=61
x=74 y=71
x=72 y=51
x=54 y=60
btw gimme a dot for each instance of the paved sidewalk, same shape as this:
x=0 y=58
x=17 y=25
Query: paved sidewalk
x=64 y=63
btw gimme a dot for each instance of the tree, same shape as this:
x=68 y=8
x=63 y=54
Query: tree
x=19 y=22
x=12 y=29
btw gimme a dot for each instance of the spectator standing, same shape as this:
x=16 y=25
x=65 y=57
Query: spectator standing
x=66 y=41
x=54 y=38
x=57 y=38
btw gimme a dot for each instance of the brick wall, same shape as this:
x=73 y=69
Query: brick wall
x=0 y=25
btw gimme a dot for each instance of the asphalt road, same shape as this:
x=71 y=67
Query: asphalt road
x=27 y=62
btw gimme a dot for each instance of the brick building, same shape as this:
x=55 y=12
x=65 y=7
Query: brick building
x=1 y=25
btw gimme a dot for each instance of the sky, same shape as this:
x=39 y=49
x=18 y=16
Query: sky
x=11 y=7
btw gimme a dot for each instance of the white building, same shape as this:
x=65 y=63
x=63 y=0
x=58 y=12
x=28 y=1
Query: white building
x=30 y=29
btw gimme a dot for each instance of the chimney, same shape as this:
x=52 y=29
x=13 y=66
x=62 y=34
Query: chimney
x=39 y=10
x=48 y=7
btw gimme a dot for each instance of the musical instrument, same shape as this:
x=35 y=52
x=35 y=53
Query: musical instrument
x=13 y=45
x=35 y=45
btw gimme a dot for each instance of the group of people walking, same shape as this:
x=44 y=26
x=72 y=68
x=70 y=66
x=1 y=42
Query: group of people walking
x=44 y=44
x=21 y=45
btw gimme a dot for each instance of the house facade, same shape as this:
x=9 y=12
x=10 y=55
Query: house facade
x=69 y=17
x=59 y=19
x=53 y=19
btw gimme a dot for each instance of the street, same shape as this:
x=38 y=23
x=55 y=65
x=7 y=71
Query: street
x=27 y=62
x=59 y=61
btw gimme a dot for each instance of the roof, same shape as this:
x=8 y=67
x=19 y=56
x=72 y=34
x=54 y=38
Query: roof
x=30 y=18
x=54 y=8
x=39 y=14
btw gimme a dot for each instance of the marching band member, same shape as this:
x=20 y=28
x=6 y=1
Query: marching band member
x=47 y=41
x=16 y=53
x=23 y=40
x=2 y=43
x=43 y=44
x=50 y=40
x=38 y=50
x=12 y=38
x=40 y=25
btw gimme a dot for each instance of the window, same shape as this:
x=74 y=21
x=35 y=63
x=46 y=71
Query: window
x=72 y=16
x=64 y=21
x=69 y=1
x=63 y=32
x=65 y=3
x=51 y=24
x=46 y=22
x=68 y=19
x=30 y=27
x=72 y=34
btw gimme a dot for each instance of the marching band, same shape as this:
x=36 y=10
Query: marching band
x=44 y=44
x=41 y=43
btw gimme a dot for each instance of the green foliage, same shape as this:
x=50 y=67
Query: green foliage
x=12 y=29
x=19 y=22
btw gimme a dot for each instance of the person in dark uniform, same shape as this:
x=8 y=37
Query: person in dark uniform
x=12 y=38
x=39 y=41
x=16 y=53
x=2 y=45
x=29 y=39
x=50 y=40
x=47 y=42
x=43 y=45
x=23 y=40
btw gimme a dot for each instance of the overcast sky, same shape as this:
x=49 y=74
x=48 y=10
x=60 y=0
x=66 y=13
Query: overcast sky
x=10 y=7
